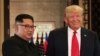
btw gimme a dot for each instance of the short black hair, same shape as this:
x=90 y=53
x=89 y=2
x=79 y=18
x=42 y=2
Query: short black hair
x=20 y=17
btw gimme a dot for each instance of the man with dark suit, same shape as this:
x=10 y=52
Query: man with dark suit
x=61 y=43
x=20 y=44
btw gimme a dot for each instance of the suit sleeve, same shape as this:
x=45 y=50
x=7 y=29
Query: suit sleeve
x=97 y=46
x=50 y=47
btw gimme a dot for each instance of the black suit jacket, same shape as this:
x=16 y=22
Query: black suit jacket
x=15 y=46
x=58 y=43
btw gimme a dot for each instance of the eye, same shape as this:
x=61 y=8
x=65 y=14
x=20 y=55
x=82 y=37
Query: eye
x=26 y=25
x=32 y=26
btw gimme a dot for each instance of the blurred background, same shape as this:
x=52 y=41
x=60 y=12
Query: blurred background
x=48 y=15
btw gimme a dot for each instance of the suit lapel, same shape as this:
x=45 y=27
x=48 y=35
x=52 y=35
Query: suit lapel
x=65 y=42
x=83 y=42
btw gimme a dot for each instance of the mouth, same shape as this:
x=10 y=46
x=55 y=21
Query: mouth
x=30 y=34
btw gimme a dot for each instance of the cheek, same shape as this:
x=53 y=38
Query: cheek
x=70 y=21
x=21 y=30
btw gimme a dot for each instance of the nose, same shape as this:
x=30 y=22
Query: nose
x=75 y=17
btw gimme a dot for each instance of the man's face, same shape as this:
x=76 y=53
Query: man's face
x=25 y=29
x=74 y=20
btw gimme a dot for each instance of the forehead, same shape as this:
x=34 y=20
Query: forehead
x=73 y=14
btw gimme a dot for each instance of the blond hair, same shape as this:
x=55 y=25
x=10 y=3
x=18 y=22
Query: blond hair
x=74 y=8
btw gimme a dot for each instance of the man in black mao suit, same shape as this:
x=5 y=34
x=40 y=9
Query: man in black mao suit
x=20 y=44
x=59 y=41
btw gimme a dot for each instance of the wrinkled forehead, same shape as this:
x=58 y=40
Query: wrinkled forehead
x=73 y=14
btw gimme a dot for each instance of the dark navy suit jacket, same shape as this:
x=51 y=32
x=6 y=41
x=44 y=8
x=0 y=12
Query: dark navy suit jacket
x=58 y=43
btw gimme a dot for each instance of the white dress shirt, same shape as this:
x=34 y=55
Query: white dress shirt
x=70 y=34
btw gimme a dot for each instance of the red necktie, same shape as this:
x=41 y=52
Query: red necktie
x=75 y=45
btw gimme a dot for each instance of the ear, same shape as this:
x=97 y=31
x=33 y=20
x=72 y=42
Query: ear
x=16 y=27
x=65 y=19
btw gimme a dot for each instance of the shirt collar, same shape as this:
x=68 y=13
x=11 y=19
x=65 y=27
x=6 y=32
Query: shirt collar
x=78 y=30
